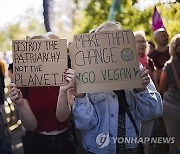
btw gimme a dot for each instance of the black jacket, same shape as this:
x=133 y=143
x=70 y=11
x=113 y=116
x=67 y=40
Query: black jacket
x=2 y=86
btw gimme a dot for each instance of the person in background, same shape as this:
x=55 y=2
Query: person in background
x=6 y=58
x=3 y=69
x=170 y=88
x=142 y=49
x=161 y=53
x=5 y=134
x=10 y=71
x=102 y=116
x=151 y=46
x=44 y=112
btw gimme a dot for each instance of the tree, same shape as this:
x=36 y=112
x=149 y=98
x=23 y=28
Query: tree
x=130 y=17
x=29 y=25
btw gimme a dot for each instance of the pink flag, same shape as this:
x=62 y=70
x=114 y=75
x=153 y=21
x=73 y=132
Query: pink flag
x=156 y=20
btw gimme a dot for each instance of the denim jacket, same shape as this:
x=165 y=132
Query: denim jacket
x=96 y=115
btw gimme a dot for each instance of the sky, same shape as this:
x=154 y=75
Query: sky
x=146 y=3
x=11 y=10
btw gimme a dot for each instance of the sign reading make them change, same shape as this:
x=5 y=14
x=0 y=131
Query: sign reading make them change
x=105 y=61
x=39 y=62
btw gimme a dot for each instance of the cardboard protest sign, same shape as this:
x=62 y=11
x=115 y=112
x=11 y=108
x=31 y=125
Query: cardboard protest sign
x=105 y=61
x=39 y=62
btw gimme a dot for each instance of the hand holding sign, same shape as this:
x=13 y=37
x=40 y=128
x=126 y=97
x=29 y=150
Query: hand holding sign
x=15 y=95
x=69 y=75
x=145 y=79
x=70 y=78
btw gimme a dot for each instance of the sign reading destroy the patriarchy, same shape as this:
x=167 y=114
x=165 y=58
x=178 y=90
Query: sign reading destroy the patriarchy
x=105 y=61
x=39 y=62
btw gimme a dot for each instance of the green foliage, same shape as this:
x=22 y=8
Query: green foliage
x=3 y=40
x=28 y=25
x=171 y=18
x=93 y=15
x=96 y=12
x=130 y=17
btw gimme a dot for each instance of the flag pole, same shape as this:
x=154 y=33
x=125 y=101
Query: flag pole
x=115 y=8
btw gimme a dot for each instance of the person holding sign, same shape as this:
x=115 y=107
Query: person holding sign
x=48 y=132
x=108 y=119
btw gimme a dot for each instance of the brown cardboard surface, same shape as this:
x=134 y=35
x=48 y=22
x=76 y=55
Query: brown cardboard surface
x=105 y=61
x=39 y=62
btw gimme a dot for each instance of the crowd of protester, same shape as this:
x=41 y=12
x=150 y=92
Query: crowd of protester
x=45 y=111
